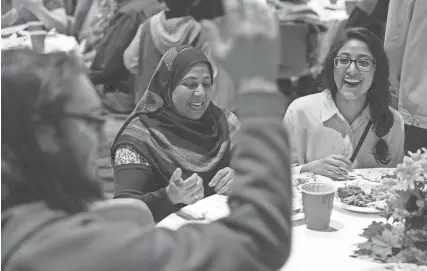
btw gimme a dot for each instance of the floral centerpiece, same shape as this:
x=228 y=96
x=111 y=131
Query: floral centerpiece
x=402 y=237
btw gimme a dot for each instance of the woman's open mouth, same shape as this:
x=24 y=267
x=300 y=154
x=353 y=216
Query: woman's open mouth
x=196 y=106
x=351 y=82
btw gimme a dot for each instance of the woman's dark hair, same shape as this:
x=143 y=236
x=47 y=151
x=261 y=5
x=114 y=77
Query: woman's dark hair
x=378 y=94
x=34 y=88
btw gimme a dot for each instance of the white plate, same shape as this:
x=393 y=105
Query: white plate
x=357 y=209
x=298 y=216
x=7 y=31
x=366 y=186
x=373 y=174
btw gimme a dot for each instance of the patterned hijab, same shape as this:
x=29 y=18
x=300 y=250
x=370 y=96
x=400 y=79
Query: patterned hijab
x=168 y=140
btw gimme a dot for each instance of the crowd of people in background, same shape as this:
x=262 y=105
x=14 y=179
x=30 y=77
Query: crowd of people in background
x=204 y=112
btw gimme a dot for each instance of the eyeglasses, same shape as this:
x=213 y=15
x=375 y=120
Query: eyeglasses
x=363 y=65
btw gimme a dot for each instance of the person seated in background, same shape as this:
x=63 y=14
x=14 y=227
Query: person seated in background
x=404 y=44
x=175 y=125
x=70 y=7
x=328 y=128
x=172 y=27
x=91 y=18
x=370 y=14
x=50 y=12
x=108 y=72
x=50 y=128
x=157 y=35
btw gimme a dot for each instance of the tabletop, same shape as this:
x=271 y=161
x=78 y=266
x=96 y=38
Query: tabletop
x=18 y=37
x=311 y=250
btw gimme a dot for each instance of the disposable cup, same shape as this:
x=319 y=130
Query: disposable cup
x=38 y=40
x=318 y=200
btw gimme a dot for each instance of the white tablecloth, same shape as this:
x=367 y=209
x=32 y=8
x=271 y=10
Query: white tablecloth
x=311 y=250
x=54 y=42
x=330 y=251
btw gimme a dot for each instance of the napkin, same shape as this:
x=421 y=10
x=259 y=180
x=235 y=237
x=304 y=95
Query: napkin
x=300 y=13
x=14 y=42
x=59 y=42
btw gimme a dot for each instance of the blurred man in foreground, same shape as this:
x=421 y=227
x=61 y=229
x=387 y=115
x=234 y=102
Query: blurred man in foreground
x=51 y=125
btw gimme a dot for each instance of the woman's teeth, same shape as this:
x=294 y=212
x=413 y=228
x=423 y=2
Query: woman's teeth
x=351 y=82
x=196 y=105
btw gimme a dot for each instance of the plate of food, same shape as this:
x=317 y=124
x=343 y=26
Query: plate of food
x=378 y=175
x=398 y=267
x=358 y=198
x=297 y=210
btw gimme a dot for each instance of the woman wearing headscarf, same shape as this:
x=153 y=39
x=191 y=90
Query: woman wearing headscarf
x=174 y=149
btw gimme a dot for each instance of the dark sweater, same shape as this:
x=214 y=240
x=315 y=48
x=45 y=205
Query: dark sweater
x=255 y=236
x=145 y=183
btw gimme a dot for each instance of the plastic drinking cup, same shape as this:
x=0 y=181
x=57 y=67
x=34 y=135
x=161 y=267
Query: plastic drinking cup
x=318 y=200
x=38 y=40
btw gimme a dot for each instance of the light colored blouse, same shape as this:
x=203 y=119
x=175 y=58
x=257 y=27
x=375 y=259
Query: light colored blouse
x=317 y=129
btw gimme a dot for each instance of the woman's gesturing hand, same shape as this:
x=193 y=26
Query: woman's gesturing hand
x=251 y=46
x=185 y=191
x=333 y=166
x=223 y=181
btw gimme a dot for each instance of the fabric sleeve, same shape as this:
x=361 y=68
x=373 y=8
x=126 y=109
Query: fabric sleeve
x=288 y=122
x=255 y=236
x=127 y=155
x=131 y=54
x=134 y=178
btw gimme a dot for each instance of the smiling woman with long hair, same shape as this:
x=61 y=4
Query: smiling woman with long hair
x=350 y=124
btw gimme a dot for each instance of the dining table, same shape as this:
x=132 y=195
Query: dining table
x=19 y=36
x=329 y=250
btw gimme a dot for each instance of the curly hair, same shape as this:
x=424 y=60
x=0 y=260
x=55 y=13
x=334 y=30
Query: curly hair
x=378 y=96
x=35 y=88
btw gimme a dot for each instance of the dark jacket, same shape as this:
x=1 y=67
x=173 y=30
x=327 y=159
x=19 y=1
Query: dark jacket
x=370 y=14
x=131 y=180
x=107 y=67
x=255 y=236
